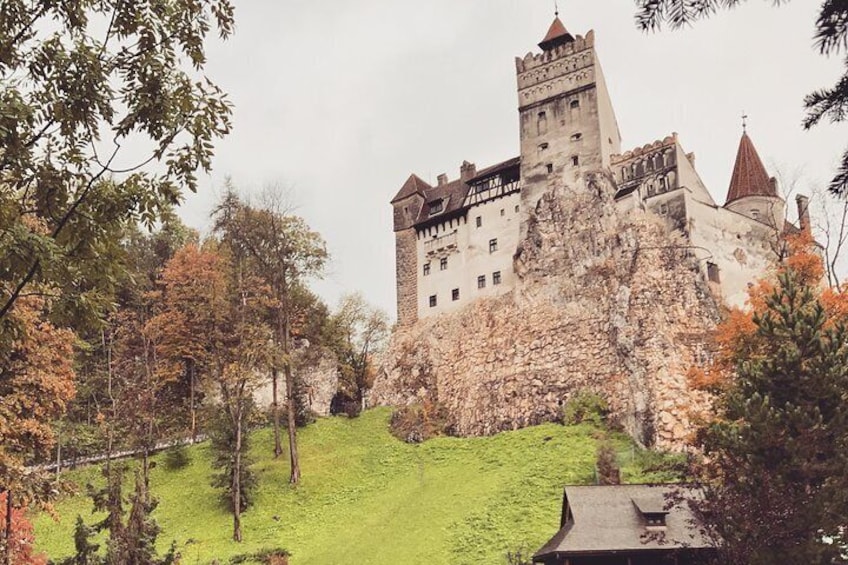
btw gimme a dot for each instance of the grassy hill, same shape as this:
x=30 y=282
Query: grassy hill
x=369 y=499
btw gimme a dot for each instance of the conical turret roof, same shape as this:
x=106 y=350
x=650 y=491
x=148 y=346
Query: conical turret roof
x=556 y=36
x=749 y=175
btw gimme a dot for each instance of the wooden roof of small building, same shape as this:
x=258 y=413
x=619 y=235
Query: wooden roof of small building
x=598 y=520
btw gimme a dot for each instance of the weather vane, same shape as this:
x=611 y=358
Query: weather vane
x=744 y=122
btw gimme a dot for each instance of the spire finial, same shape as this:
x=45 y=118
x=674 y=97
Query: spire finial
x=744 y=122
x=556 y=9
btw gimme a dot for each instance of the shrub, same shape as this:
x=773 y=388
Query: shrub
x=607 y=465
x=419 y=422
x=585 y=407
x=177 y=458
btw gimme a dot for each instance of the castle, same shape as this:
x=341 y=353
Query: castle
x=573 y=267
x=455 y=242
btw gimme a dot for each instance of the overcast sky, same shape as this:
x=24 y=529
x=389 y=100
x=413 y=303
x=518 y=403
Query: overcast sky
x=341 y=101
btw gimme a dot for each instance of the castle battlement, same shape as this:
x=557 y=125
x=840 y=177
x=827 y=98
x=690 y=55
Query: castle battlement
x=644 y=149
x=533 y=60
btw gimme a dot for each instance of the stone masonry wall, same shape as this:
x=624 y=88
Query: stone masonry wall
x=609 y=303
x=406 y=273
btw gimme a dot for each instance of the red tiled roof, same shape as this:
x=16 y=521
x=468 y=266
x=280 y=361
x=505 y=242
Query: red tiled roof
x=749 y=175
x=557 y=35
x=413 y=185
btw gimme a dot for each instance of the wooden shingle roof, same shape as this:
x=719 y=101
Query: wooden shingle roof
x=749 y=174
x=604 y=519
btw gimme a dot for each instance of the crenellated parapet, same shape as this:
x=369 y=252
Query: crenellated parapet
x=534 y=60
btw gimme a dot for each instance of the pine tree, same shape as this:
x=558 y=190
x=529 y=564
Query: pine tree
x=778 y=465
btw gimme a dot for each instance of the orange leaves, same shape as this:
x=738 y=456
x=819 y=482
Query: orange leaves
x=803 y=258
x=22 y=538
x=36 y=385
x=735 y=337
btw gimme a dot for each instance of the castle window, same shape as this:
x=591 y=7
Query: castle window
x=426 y=269
x=550 y=167
x=623 y=173
x=663 y=209
x=543 y=146
x=455 y=294
x=575 y=160
x=443 y=264
x=437 y=206
x=496 y=277
x=577 y=137
x=663 y=184
x=481 y=281
x=503 y=212
x=574 y=104
x=755 y=214
x=432 y=301
x=493 y=245
x=516 y=208
x=542 y=123
x=479 y=221
x=712 y=273
x=658 y=162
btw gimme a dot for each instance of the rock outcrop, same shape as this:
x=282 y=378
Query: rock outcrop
x=605 y=302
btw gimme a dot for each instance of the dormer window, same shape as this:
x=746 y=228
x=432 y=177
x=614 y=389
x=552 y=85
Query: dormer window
x=653 y=510
x=436 y=206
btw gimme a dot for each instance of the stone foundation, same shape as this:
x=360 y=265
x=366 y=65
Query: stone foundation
x=609 y=303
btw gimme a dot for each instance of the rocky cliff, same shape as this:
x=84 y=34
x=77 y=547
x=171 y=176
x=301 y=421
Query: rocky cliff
x=608 y=302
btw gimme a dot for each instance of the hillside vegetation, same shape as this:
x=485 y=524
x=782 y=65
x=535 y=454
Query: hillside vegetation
x=368 y=498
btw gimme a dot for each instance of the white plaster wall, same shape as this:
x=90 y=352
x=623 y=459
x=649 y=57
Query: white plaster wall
x=770 y=210
x=740 y=246
x=687 y=176
x=472 y=257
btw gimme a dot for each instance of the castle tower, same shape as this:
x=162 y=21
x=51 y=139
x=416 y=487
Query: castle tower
x=407 y=205
x=752 y=192
x=567 y=123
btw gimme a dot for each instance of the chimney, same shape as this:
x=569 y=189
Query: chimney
x=803 y=204
x=442 y=178
x=467 y=170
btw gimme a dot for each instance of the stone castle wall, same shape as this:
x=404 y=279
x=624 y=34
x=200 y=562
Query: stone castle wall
x=607 y=302
x=406 y=273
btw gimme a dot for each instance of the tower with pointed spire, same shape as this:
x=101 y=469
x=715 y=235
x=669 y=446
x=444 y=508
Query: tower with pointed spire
x=567 y=121
x=752 y=191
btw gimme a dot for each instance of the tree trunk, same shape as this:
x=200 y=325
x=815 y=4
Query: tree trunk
x=8 y=530
x=275 y=408
x=193 y=408
x=295 y=461
x=237 y=480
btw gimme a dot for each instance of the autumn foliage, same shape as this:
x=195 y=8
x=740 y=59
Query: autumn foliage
x=21 y=538
x=735 y=337
x=36 y=383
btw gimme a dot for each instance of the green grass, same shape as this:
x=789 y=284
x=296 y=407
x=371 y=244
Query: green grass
x=367 y=498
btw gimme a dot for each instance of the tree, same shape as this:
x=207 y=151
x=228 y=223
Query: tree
x=360 y=332
x=131 y=536
x=81 y=81
x=283 y=252
x=16 y=542
x=775 y=474
x=36 y=382
x=213 y=312
x=831 y=39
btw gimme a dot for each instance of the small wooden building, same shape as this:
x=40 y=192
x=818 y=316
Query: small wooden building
x=626 y=525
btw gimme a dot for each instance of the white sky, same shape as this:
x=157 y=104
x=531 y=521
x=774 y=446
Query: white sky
x=341 y=101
